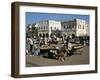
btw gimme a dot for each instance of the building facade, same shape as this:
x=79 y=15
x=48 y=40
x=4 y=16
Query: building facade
x=48 y=27
x=75 y=27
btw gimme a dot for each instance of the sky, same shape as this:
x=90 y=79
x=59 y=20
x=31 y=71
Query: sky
x=33 y=17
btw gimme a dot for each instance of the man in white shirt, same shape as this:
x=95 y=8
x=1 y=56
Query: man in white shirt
x=70 y=46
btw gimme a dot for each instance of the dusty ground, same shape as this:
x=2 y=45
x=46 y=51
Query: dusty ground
x=76 y=59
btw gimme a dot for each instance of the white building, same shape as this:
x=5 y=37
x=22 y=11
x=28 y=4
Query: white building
x=75 y=27
x=48 y=26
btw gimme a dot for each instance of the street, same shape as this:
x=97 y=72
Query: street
x=76 y=59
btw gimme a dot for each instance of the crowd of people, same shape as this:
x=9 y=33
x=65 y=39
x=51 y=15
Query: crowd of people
x=33 y=44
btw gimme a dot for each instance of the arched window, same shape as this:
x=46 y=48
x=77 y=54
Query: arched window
x=83 y=26
x=68 y=27
x=80 y=26
x=64 y=26
x=51 y=27
x=73 y=26
x=40 y=35
x=47 y=35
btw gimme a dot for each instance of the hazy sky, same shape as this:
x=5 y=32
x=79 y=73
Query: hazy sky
x=33 y=17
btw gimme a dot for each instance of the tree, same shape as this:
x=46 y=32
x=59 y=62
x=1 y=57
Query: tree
x=33 y=27
x=34 y=30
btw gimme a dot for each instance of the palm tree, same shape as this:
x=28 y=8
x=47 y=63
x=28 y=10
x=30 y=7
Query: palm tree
x=34 y=30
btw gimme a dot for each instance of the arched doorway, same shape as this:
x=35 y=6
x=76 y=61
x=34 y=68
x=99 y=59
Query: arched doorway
x=47 y=35
x=43 y=35
x=73 y=36
x=40 y=35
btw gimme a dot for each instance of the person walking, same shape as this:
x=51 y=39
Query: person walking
x=31 y=44
x=35 y=49
x=67 y=40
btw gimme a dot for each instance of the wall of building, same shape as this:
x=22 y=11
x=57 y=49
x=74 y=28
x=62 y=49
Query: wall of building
x=68 y=27
x=46 y=27
x=54 y=25
x=81 y=27
x=77 y=27
x=43 y=27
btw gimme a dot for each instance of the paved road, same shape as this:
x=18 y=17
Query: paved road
x=77 y=59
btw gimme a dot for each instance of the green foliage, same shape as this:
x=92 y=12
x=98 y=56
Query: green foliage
x=33 y=27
